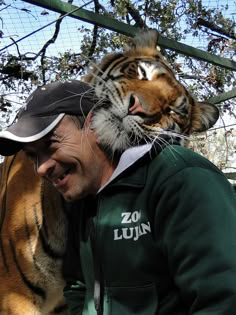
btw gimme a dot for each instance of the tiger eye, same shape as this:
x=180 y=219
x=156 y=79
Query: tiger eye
x=167 y=110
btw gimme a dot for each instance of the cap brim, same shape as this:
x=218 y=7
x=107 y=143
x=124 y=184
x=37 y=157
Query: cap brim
x=26 y=130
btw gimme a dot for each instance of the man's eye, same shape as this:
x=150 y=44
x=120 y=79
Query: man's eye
x=51 y=142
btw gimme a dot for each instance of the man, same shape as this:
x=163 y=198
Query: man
x=153 y=233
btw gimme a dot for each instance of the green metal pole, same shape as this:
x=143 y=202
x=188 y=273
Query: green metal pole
x=222 y=97
x=116 y=26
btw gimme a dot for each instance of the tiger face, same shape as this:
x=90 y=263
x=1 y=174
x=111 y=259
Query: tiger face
x=141 y=99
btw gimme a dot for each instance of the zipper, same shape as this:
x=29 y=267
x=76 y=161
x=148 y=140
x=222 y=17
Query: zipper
x=98 y=288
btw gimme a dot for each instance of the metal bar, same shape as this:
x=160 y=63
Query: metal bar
x=222 y=97
x=116 y=26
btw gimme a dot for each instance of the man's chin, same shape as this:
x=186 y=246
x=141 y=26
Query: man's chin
x=70 y=197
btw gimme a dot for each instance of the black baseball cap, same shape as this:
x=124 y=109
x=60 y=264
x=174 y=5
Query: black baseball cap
x=44 y=109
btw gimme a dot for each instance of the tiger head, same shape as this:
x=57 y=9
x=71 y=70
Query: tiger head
x=141 y=99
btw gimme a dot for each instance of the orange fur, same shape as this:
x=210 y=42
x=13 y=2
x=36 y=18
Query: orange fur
x=31 y=213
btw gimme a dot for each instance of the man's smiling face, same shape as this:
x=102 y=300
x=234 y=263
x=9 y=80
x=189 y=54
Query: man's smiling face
x=71 y=160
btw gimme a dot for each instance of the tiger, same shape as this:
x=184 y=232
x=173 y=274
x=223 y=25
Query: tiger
x=142 y=100
x=33 y=227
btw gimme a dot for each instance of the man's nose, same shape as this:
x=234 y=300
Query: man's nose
x=43 y=165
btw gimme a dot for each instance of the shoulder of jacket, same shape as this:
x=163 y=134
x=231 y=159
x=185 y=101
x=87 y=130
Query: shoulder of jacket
x=173 y=159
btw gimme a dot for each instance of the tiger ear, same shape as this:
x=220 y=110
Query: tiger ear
x=205 y=116
x=146 y=38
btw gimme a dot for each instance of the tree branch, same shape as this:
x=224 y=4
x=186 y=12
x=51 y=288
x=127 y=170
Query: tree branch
x=95 y=31
x=231 y=34
x=135 y=15
x=49 y=42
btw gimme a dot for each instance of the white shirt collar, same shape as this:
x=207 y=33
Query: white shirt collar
x=129 y=157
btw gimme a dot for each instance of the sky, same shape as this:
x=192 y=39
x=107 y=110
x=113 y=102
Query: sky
x=21 y=19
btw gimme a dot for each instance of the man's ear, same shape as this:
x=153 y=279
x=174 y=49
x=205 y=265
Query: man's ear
x=88 y=121
x=88 y=125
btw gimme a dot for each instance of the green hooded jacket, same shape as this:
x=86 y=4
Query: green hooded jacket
x=159 y=238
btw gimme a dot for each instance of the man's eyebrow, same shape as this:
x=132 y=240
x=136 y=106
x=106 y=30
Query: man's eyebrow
x=48 y=135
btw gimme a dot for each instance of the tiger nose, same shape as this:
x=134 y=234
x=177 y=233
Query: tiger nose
x=135 y=106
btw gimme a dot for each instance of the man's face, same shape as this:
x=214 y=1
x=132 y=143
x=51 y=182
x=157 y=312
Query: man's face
x=71 y=160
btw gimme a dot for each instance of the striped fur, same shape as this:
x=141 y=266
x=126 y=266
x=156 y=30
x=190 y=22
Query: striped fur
x=32 y=241
x=141 y=99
